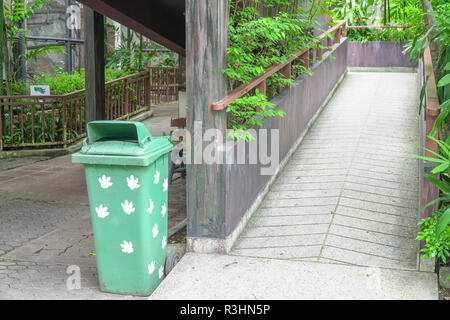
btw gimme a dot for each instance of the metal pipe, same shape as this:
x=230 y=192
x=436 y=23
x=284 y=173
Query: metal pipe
x=68 y=64
x=43 y=38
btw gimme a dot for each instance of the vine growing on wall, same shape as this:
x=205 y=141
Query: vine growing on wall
x=263 y=33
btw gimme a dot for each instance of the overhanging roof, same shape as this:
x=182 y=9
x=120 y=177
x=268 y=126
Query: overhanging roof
x=162 y=21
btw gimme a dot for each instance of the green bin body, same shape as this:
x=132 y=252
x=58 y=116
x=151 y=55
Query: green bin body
x=127 y=182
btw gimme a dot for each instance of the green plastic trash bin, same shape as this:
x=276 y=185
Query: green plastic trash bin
x=126 y=176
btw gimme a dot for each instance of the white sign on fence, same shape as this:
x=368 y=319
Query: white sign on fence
x=40 y=90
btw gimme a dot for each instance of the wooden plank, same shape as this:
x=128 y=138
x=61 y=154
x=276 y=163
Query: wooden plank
x=206 y=44
x=95 y=66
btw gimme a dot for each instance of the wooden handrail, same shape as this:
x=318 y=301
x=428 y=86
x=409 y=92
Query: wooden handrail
x=431 y=111
x=377 y=27
x=260 y=80
x=431 y=100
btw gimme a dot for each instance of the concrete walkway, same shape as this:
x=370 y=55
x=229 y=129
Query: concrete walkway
x=341 y=219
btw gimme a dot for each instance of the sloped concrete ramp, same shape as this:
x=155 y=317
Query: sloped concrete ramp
x=340 y=221
x=225 y=277
x=349 y=194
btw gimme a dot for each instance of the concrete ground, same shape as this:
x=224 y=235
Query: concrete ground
x=45 y=225
x=340 y=221
x=350 y=193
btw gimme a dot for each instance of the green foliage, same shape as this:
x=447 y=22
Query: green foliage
x=436 y=245
x=438 y=33
x=249 y=111
x=15 y=15
x=257 y=42
x=166 y=59
x=399 y=13
x=42 y=52
x=435 y=230
x=63 y=82
x=129 y=55
x=16 y=87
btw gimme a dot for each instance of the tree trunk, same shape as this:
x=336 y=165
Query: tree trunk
x=429 y=22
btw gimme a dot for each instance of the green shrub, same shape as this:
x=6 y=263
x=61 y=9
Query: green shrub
x=63 y=82
x=257 y=42
x=435 y=245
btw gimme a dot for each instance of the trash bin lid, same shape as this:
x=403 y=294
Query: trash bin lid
x=120 y=143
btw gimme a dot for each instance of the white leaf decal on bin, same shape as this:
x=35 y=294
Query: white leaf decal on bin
x=105 y=182
x=161 y=272
x=102 y=211
x=133 y=182
x=155 y=231
x=165 y=184
x=157 y=174
x=164 y=242
x=163 y=209
x=151 y=267
x=127 y=247
x=128 y=207
x=150 y=208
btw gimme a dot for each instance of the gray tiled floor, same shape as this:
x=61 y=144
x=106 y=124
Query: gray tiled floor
x=349 y=194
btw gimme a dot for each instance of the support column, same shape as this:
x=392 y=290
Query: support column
x=2 y=38
x=95 y=65
x=206 y=43
x=182 y=87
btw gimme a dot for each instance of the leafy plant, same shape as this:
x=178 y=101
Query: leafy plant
x=257 y=42
x=15 y=14
x=435 y=230
x=436 y=245
x=438 y=33
x=129 y=56
x=63 y=82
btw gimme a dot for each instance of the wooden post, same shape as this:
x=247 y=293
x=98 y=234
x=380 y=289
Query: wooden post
x=2 y=21
x=181 y=91
x=1 y=124
x=262 y=89
x=319 y=53
x=206 y=44
x=64 y=117
x=1 y=72
x=127 y=99
x=286 y=71
x=147 y=88
x=95 y=65
x=305 y=58
x=330 y=43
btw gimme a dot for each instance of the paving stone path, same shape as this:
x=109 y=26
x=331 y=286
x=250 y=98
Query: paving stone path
x=349 y=194
x=45 y=224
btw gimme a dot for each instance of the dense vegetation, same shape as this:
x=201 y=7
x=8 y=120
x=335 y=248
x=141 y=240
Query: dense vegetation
x=379 y=12
x=436 y=230
x=263 y=33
